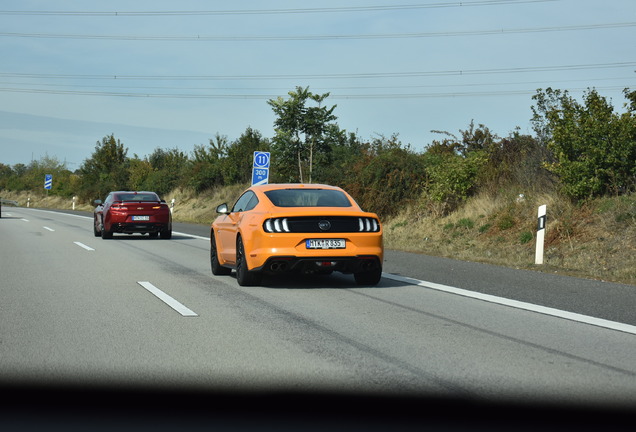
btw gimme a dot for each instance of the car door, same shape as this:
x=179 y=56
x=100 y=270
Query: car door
x=228 y=226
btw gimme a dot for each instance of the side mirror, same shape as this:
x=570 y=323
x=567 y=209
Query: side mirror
x=223 y=209
x=97 y=202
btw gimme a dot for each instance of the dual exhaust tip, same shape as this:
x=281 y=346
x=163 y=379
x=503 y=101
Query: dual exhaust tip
x=278 y=266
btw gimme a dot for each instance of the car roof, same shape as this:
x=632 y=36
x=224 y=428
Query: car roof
x=134 y=192
x=278 y=186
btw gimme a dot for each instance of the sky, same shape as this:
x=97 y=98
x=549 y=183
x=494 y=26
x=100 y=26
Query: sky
x=174 y=74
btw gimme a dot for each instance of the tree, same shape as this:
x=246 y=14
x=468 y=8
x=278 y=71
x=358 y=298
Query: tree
x=105 y=170
x=207 y=164
x=475 y=139
x=592 y=147
x=168 y=169
x=300 y=130
x=237 y=165
x=333 y=165
x=387 y=177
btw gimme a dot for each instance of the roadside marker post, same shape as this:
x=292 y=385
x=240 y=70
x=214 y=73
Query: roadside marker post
x=260 y=169
x=541 y=223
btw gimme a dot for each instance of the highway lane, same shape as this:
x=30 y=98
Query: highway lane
x=75 y=309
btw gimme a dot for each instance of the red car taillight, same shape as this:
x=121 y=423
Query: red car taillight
x=118 y=206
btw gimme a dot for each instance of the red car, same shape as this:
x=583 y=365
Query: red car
x=130 y=212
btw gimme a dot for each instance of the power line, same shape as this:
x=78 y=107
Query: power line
x=342 y=9
x=272 y=96
x=265 y=38
x=366 y=75
x=331 y=88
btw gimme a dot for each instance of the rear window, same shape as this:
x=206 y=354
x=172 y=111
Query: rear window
x=137 y=197
x=308 y=198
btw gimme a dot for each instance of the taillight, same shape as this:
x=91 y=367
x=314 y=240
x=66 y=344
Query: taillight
x=368 y=225
x=276 y=225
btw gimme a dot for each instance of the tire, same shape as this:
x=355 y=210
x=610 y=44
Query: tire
x=244 y=277
x=95 y=232
x=106 y=234
x=217 y=269
x=369 y=278
x=166 y=234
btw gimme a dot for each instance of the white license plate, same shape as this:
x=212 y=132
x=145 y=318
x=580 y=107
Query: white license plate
x=325 y=243
x=141 y=218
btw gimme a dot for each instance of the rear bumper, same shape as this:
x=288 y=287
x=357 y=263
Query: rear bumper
x=137 y=227
x=290 y=250
x=289 y=264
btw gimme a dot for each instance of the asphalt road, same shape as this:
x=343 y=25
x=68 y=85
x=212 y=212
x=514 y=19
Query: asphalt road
x=132 y=310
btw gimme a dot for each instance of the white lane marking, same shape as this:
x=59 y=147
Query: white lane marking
x=50 y=229
x=82 y=245
x=191 y=235
x=60 y=212
x=91 y=217
x=174 y=304
x=613 y=325
x=23 y=219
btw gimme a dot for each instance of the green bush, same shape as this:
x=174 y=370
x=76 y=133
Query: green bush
x=525 y=237
x=506 y=222
x=593 y=148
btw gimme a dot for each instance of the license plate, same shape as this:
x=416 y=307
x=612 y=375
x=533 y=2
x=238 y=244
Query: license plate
x=141 y=218
x=325 y=243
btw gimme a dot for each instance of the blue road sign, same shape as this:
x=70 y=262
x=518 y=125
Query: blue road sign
x=260 y=170
x=48 y=181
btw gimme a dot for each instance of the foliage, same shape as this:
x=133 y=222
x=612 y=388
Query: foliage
x=106 y=170
x=593 y=148
x=237 y=166
x=206 y=169
x=169 y=168
x=300 y=133
x=452 y=168
x=346 y=150
x=387 y=177
x=525 y=237
x=30 y=177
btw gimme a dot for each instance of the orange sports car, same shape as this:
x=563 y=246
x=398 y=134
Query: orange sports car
x=309 y=228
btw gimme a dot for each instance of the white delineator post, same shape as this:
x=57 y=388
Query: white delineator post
x=538 y=256
x=171 y=205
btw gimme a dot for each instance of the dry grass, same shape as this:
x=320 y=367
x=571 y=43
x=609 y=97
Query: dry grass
x=596 y=240
x=190 y=207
